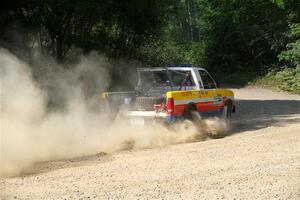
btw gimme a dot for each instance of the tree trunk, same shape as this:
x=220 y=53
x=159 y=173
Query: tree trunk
x=59 y=50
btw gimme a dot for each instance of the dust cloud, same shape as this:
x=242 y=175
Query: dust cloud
x=31 y=133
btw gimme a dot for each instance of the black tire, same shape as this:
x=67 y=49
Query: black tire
x=146 y=103
x=189 y=112
x=227 y=111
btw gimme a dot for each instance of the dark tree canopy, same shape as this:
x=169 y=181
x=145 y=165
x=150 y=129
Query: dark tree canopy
x=223 y=35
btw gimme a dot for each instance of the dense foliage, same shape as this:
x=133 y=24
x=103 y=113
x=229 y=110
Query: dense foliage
x=227 y=36
x=112 y=27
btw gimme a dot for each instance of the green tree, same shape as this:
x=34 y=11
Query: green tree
x=241 y=35
x=291 y=55
x=115 y=28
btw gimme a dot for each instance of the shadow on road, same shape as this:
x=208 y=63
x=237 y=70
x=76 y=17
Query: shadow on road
x=257 y=114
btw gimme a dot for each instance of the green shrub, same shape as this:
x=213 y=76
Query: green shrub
x=287 y=79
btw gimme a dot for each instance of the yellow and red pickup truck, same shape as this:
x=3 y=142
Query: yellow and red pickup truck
x=172 y=93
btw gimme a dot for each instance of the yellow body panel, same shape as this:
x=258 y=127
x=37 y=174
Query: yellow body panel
x=191 y=94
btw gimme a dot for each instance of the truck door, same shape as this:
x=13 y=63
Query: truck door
x=211 y=99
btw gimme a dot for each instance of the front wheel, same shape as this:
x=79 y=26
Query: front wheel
x=223 y=127
x=227 y=111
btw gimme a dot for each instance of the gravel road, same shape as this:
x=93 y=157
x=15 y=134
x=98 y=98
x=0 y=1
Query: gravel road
x=259 y=160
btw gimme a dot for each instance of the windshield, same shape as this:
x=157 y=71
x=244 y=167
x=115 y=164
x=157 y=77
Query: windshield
x=166 y=78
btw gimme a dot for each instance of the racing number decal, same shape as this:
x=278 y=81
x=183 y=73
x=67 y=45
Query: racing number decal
x=186 y=93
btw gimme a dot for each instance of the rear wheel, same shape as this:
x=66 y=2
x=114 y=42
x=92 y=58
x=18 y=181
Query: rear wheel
x=189 y=112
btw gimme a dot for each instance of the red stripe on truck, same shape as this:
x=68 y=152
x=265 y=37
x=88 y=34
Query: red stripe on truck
x=201 y=107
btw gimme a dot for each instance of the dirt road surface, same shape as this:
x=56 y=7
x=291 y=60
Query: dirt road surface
x=259 y=160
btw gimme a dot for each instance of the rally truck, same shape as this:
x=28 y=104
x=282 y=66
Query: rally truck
x=170 y=94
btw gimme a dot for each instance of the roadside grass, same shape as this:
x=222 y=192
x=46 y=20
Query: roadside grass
x=287 y=79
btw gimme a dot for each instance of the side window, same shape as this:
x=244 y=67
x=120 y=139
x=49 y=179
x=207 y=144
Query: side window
x=181 y=78
x=208 y=82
